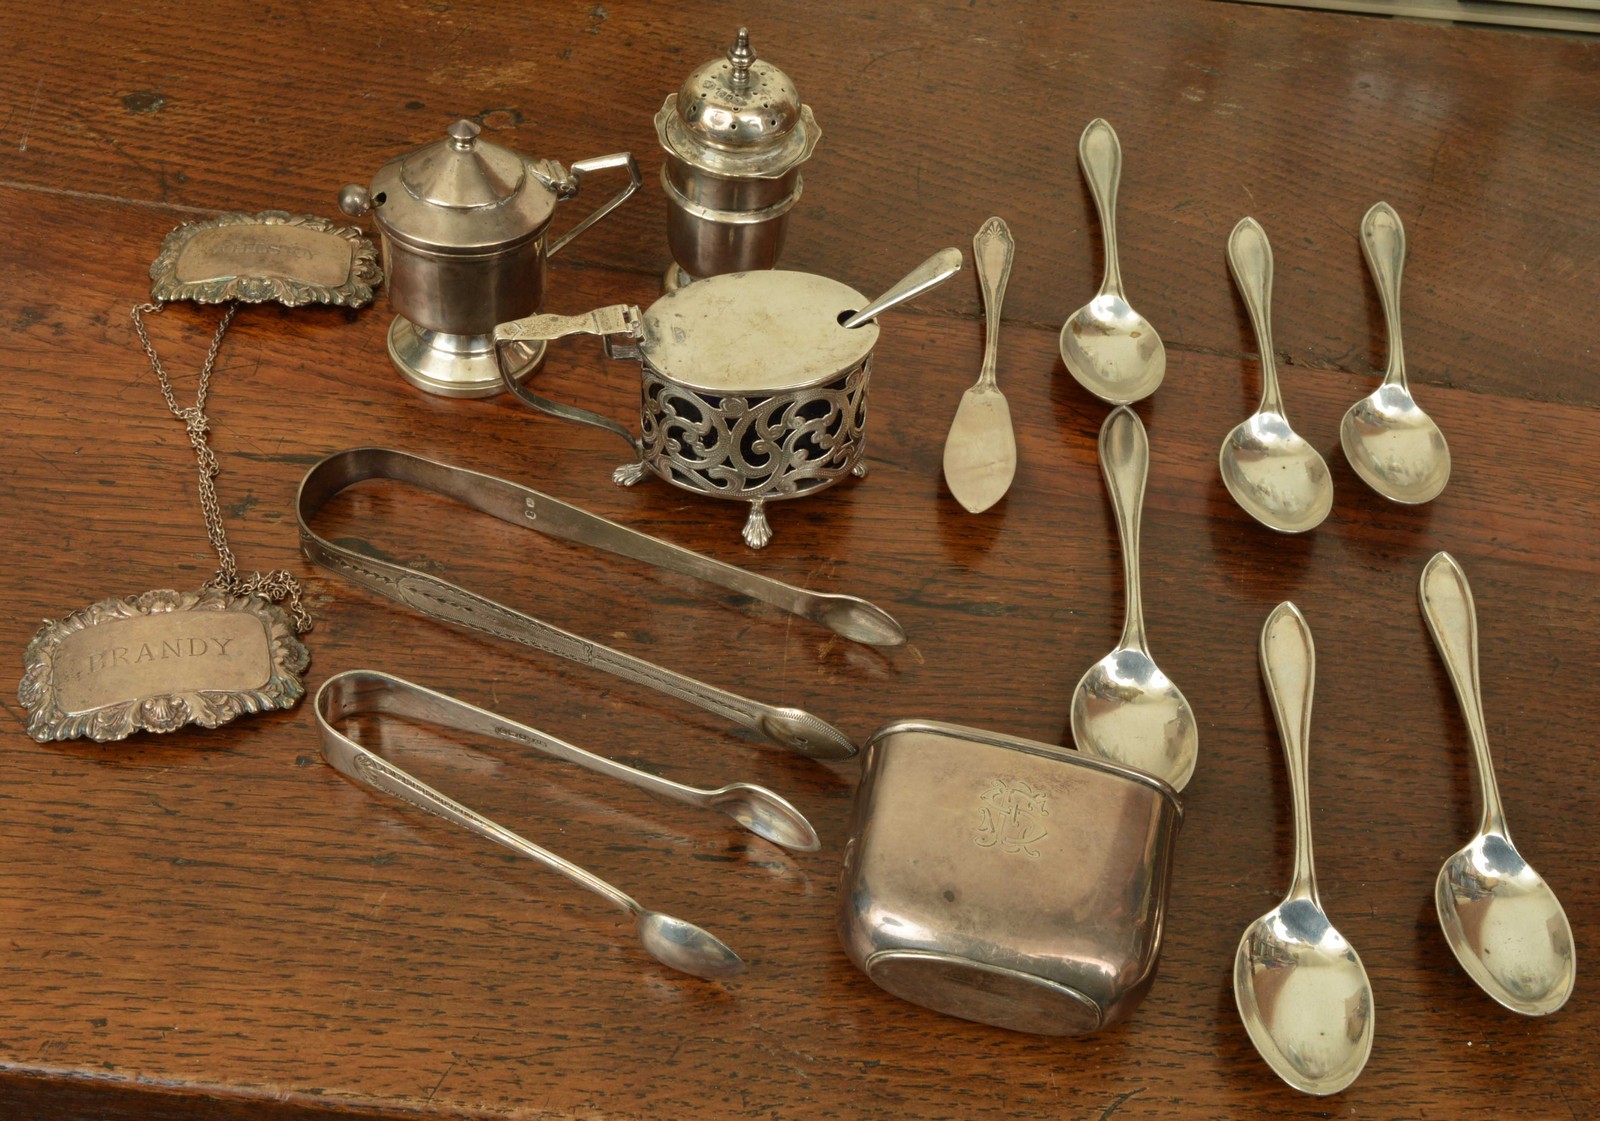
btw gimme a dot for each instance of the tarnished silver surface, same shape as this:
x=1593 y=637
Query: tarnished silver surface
x=753 y=385
x=291 y=259
x=754 y=807
x=465 y=231
x=1391 y=443
x=158 y=661
x=1124 y=708
x=672 y=941
x=980 y=451
x=1004 y=881
x=1108 y=347
x=790 y=728
x=1301 y=989
x=1503 y=923
x=1272 y=472
x=735 y=136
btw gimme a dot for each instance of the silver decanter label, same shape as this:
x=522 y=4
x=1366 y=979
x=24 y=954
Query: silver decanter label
x=287 y=258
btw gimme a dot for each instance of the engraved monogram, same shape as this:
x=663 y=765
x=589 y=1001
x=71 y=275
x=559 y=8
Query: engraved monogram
x=1010 y=811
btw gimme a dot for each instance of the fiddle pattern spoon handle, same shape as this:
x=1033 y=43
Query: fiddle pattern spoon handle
x=1452 y=619
x=1250 y=261
x=1383 y=243
x=1100 y=157
x=1289 y=666
x=1125 y=463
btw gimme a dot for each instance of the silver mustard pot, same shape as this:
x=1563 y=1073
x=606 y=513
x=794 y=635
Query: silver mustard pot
x=735 y=135
x=464 y=225
x=1005 y=881
x=753 y=385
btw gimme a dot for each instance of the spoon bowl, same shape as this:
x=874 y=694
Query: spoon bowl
x=679 y=944
x=1278 y=478
x=1110 y=349
x=766 y=815
x=1126 y=710
x=1393 y=445
x=1272 y=472
x=1505 y=926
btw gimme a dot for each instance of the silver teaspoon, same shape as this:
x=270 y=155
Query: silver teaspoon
x=1125 y=709
x=1391 y=443
x=1301 y=989
x=1502 y=921
x=980 y=453
x=1270 y=470
x=1111 y=349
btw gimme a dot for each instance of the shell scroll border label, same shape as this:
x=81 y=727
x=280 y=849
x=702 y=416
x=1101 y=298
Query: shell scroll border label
x=365 y=271
x=158 y=712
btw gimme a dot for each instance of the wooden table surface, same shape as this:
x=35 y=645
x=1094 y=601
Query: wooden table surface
x=214 y=924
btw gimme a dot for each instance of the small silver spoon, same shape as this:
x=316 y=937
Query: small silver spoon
x=935 y=270
x=980 y=453
x=1111 y=349
x=1124 y=708
x=1502 y=921
x=1270 y=470
x=1301 y=989
x=1393 y=445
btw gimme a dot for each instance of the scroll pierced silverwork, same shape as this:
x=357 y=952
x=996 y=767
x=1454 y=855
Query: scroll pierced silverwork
x=157 y=661
x=292 y=259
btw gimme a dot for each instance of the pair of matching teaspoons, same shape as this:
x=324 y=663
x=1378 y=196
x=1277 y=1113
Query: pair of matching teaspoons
x=1272 y=472
x=1301 y=989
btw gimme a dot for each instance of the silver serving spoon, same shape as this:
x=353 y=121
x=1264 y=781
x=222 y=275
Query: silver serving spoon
x=1111 y=349
x=935 y=270
x=1502 y=921
x=1301 y=989
x=980 y=453
x=1270 y=470
x=1124 y=708
x=1393 y=445
x=672 y=941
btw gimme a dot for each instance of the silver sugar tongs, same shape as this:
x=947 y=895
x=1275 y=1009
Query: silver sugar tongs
x=791 y=728
x=671 y=941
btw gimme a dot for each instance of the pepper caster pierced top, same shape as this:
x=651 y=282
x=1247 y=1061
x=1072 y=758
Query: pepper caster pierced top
x=735 y=136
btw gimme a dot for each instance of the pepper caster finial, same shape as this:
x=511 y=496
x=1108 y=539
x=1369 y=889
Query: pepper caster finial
x=742 y=56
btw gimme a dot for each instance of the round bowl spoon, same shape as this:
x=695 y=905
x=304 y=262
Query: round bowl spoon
x=1392 y=444
x=1501 y=920
x=1124 y=708
x=1270 y=470
x=1301 y=989
x=1110 y=348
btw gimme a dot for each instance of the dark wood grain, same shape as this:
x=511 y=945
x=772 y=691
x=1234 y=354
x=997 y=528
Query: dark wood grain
x=216 y=925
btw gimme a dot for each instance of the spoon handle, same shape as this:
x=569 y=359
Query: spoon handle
x=1383 y=243
x=1250 y=261
x=934 y=271
x=1289 y=666
x=1125 y=463
x=992 y=251
x=1100 y=156
x=1447 y=605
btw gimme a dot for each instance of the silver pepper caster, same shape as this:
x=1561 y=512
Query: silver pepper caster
x=464 y=225
x=735 y=136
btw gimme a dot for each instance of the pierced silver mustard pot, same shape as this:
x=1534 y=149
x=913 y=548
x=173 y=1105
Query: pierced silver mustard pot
x=754 y=385
x=464 y=226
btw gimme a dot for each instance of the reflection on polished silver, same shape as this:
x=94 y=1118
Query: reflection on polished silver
x=464 y=225
x=735 y=136
x=1271 y=471
x=1502 y=921
x=1125 y=709
x=790 y=728
x=980 y=453
x=753 y=385
x=1393 y=445
x=1110 y=348
x=1301 y=989
x=1004 y=881
x=754 y=807
x=671 y=941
